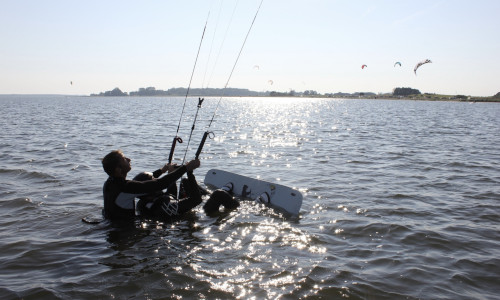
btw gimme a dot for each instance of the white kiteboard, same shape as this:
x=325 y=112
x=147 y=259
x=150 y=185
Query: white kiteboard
x=280 y=196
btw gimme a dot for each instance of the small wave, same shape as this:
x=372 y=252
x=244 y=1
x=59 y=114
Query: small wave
x=400 y=196
x=18 y=203
x=481 y=277
x=5 y=293
x=487 y=265
x=35 y=293
x=360 y=162
x=383 y=228
x=24 y=174
x=489 y=217
x=429 y=240
x=409 y=213
x=487 y=195
x=374 y=230
x=469 y=165
x=463 y=278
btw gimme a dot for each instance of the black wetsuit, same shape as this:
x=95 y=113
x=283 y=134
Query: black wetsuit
x=120 y=193
x=165 y=207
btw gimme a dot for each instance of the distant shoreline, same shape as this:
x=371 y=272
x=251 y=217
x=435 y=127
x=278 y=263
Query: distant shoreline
x=397 y=94
x=378 y=97
x=451 y=99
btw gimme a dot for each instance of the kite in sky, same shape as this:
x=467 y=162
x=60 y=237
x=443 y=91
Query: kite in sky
x=363 y=66
x=421 y=63
x=397 y=63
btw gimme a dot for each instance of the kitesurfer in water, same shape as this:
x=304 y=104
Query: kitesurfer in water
x=120 y=193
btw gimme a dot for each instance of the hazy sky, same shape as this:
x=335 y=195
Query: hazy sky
x=302 y=45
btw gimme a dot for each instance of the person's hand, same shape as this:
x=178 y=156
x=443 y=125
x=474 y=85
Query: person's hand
x=191 y=165
x=169 y=168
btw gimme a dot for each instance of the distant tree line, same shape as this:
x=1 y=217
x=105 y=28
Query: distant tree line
x=399 y=93
x=113 y=93
x=151 y=91
x=280 y=94
x=405 y=91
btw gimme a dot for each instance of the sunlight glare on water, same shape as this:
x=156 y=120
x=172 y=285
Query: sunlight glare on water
x=400 y=200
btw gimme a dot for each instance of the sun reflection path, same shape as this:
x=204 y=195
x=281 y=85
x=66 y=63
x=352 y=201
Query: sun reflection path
x=252 y=254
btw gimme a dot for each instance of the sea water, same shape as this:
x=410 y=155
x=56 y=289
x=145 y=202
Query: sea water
x=401 y=199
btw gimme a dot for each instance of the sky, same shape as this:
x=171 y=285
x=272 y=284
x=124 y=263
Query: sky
x=82 y=47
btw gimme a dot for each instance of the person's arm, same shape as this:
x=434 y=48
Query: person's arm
x=149 y=186
x=172 y=177
x=138 y=187
x=166 y=168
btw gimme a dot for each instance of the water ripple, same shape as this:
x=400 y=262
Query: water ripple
x=400 y=200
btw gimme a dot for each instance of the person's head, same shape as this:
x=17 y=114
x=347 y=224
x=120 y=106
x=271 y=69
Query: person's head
x=116 y=164
x=144 y=176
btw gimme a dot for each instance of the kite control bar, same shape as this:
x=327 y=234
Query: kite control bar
x=174 y=141
x=202 y=143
